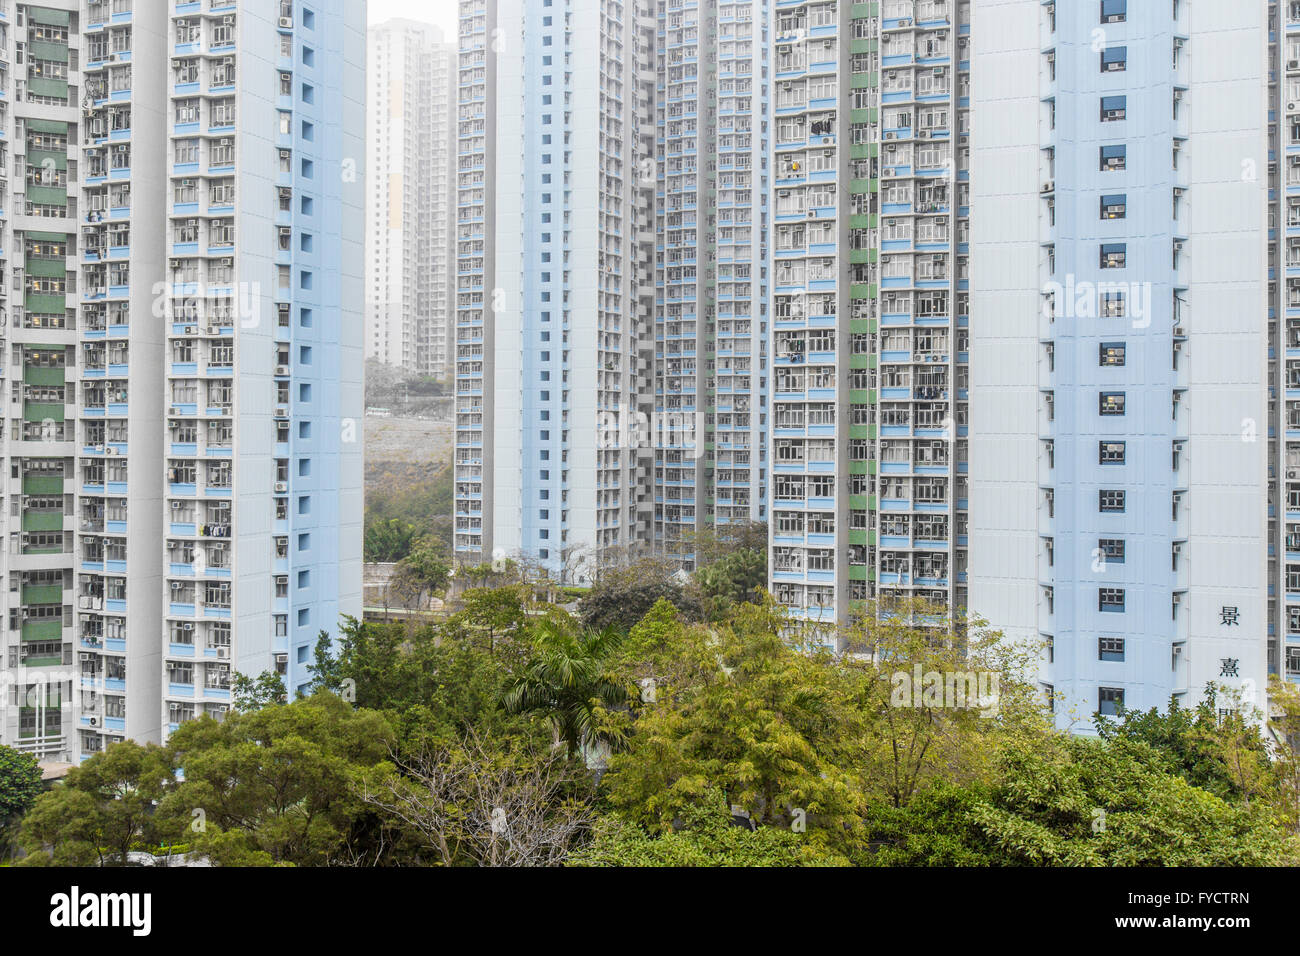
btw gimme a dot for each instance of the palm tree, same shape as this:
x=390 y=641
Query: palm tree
x=565 y=674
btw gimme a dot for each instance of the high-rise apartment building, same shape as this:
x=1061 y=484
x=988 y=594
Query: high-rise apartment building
x=1130 y=463
x=475 y=270
x=712 y=128
x=183 y=222
x=567 y=309
x=410 y=273
x=1117 y=344
x=611 y=379
x=870 y=304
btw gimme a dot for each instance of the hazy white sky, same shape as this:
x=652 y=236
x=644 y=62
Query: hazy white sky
x=438 y=12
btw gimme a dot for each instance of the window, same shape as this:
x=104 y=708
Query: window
x=1114 y=255
x=1114 y=206
x=1113 y=157
x=1110 y=453
x=1110 y=600
x=1114 y=59
x=1112 y=549
x=1110 y=649
x=1114 y=11
x=1110 y=403
x=1110 y=700
x=1110 y=500
x=1111 y=354
x=1113 y=108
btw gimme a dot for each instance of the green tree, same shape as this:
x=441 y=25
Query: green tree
x=735 y=578
x=741 y=709
x=275 y=785
x=1213 y=753
x=20 y=785
x=434 y=684
x=624 y=595
x=425 y=566
x=937 y=692
x=704 y=835
x=566 y=673
x=325 y=668
x=388 y=539
x=254 y=693
x=101 y=810
x=492 y=613
x=1077 y=801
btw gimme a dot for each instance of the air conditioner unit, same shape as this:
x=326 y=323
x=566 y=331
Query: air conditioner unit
x=282 y=370
x=175 y=410
x=1178 y=346
x=93 y=721
x=176 y=585
x=223 y=653
x=1293 y=64
x=191 y=330
x=1293 y=472
x=187 y=626
x=282 y=411
x=228 y=20
x=286 y=22
x=176 y=506
x=281 y=487
x=86 y=657
x=1179 y=331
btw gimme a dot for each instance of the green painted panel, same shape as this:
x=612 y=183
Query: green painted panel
x=45 y=630
x=39 y=375
x=48 y=50
x=42 y=485
x=41 y=86
x=47 y=195
x=42 y=411
x=57 y=18
x=42 y=593
x=47 y=126
x=47 y=268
